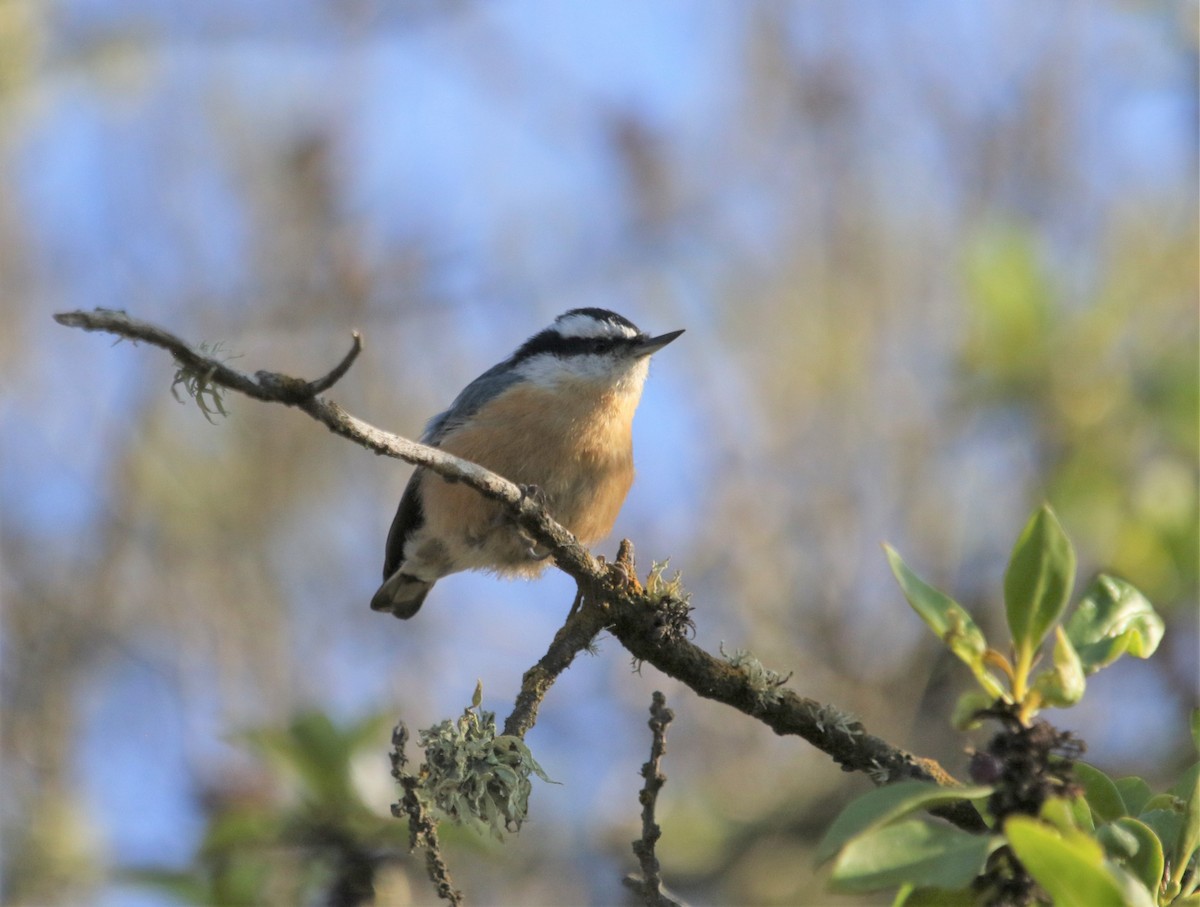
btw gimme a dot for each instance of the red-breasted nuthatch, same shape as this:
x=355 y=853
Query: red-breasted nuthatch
x=557 y=416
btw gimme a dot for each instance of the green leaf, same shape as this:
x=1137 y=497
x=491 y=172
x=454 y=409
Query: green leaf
x=1145 y=862
x=1102 y=794
x=1187 y=782
x=1163 y=803
x=1195 y=722
x=887 y=804
x=908 y=896
x=1118 y=843
x=1069 y=867
x=914 y=851
x=948 y=619
x=1113 y=618
x=1062 y=813
x=1135 y=793
x=967 y=709
x=1083 y=814
x=1189 y=834
x=1135 y=893
x=1166 y=823
x=1063 y=684
x=1037 y=584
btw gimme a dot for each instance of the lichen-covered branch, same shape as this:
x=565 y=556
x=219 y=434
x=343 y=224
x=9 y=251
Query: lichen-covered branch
x=422 y=826
x=653 y=627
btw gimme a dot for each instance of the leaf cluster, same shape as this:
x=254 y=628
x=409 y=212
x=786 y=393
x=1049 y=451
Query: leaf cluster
x=1112 y=619
x=1058 y=831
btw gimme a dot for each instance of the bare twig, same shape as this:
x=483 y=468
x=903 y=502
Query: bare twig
x=587 y=618
x=335 y=375
x=613 y=595
x=650 y=884
x=577 y=634
x=422 y=827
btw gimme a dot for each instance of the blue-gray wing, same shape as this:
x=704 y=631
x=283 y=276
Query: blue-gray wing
x=488 y=385
x=410 y=516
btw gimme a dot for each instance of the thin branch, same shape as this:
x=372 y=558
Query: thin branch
x=588 y=617
x=611 y=592
x=323 y=384
x=422 y=827
x=577 y=634
x=111 y=321
x=650 y=884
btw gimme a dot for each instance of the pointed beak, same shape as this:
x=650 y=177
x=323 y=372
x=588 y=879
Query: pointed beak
x=654 y=344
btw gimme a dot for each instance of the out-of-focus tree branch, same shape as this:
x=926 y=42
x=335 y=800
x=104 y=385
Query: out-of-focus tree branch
x=650 y=886
x=652 y=627
x=422 y=826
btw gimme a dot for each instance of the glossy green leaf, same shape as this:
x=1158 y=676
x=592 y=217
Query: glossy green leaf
x=1145 y=859
x=948 y=619
x=1161 y=802
x=1118 y=843
x=887 y=804
x=1102 y=794
x=915 y=851
x=1113 y=618
x=1132 y=890
x=1187 y=782
x=1188 y=839
x=1062 y=813
x=1037 y=584
x=1063 y=683
x=1069 y=867
x=1166 y=823
x=1083 y=814
x=1135 y=793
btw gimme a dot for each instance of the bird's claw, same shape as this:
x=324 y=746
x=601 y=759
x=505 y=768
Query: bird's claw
x=533 y=493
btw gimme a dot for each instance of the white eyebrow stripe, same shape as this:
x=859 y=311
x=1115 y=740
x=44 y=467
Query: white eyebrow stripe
x=547 y=370
x=587 y=326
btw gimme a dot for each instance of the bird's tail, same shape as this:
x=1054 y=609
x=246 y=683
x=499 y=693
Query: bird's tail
x=401 y=594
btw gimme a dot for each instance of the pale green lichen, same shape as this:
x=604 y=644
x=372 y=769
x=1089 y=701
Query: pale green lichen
x=474 y=776
x=659 y=589
x=199 y=385
x=830 y=719
x=764 y=683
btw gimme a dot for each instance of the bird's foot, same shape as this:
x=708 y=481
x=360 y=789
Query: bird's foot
x=533 y=493
x=533 y=550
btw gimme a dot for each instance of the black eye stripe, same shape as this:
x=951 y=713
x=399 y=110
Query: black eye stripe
x=552 y=342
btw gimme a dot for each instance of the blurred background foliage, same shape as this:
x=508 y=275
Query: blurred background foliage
x=937 y=262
